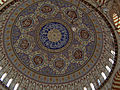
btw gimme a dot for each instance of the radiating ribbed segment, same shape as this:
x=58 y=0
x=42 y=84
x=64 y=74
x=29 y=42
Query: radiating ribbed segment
x=116 y=81
x=119 y=26
x=117 y=22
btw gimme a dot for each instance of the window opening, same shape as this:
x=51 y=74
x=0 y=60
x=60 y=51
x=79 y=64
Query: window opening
x=112 y=52
x=104 y=76
x=99 y=82
x=9 y=82
x=108 y=68
x=85 y=88
x=92 y=86
x=3 y=76
x=111 y=60
x=16 y=86
x=0 y=68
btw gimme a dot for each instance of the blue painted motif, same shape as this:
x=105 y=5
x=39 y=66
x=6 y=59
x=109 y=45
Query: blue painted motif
x=15 y=34
x=89 y=48
x=24 y=58
x=54 y=45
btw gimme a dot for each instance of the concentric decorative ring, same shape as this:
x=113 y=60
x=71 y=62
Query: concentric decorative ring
x=54 y=35
x=53 y=53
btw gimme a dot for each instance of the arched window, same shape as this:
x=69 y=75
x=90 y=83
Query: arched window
x=99 y=82
x=113 y=52
x=117 y=22
x=3 y=76
x=104 y=76
x=92 y=86
x=108 y=68
x=9 y=82
x=111 y=60
x=16 y=86
x=85 y=88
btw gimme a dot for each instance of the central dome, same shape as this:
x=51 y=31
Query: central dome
x=44 y=41
x=55 y=43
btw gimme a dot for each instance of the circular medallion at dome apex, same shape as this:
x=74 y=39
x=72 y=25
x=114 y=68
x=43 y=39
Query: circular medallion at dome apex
x=54 y=35
x=30 y=45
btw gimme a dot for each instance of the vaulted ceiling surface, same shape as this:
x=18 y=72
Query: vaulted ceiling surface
x=59 y=44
